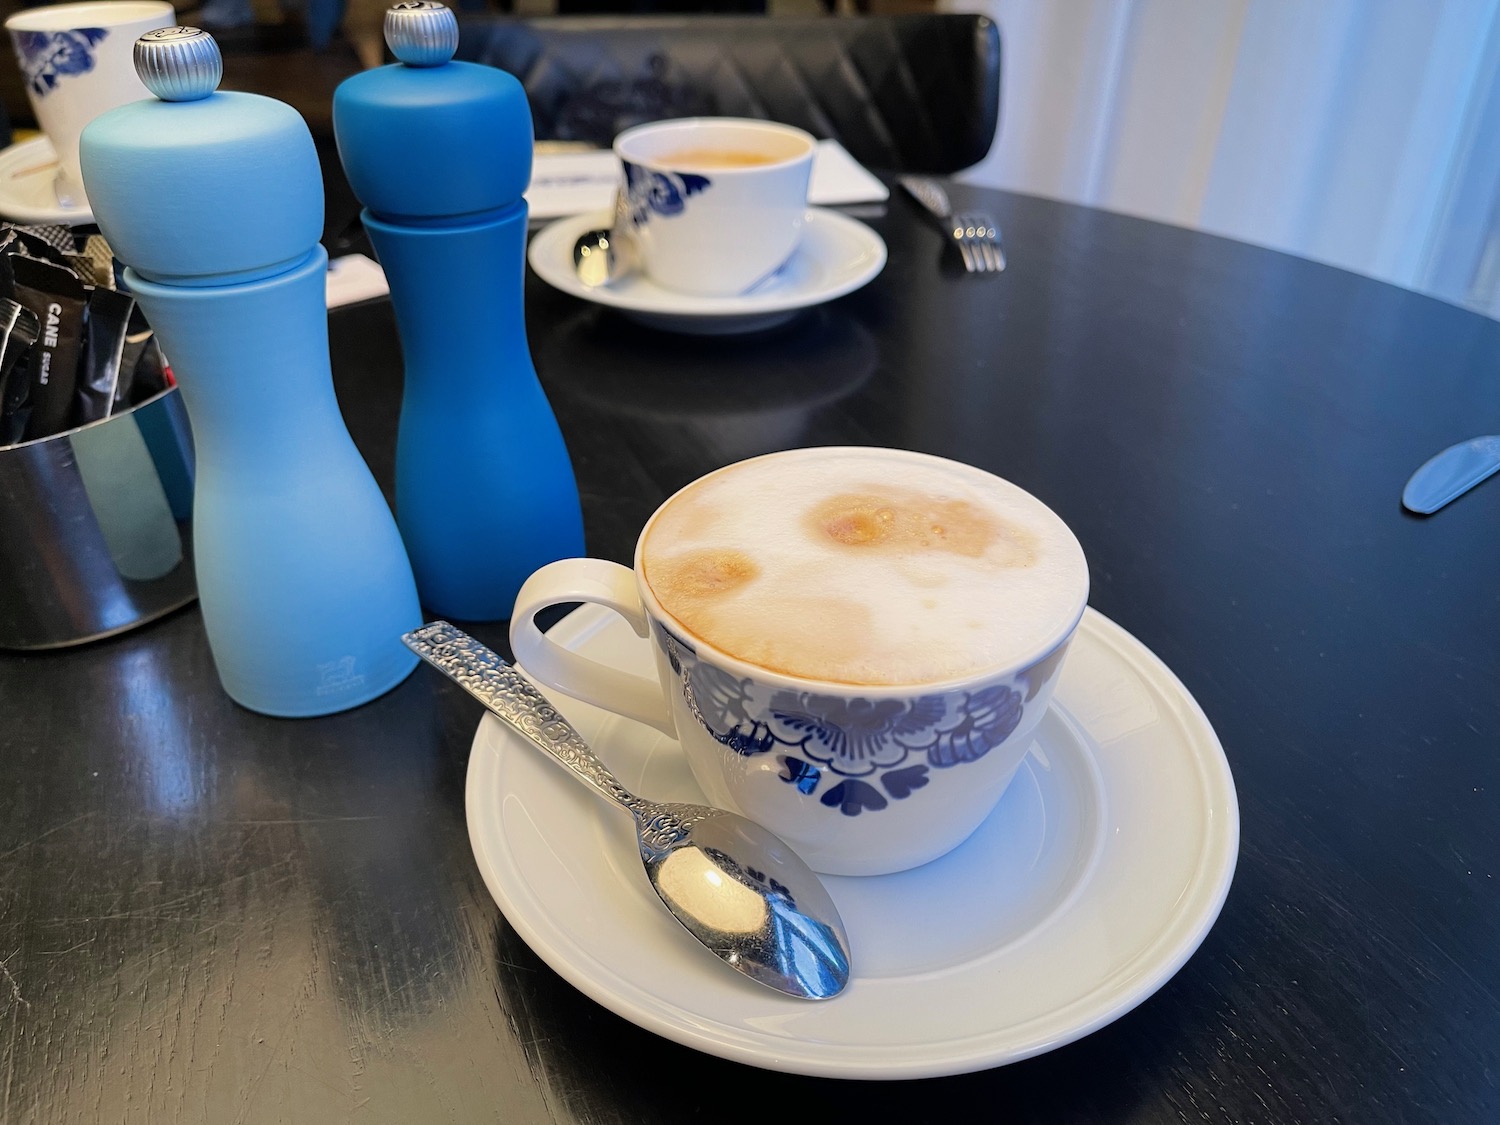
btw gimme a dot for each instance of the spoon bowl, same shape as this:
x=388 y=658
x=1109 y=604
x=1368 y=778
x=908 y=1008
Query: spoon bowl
x=604 y=257
x=601 y=258
x=737 y=888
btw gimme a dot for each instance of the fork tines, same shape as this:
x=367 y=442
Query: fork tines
x=978 y=243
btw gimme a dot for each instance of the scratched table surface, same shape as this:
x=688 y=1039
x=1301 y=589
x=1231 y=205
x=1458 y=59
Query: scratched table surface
x=211 y=916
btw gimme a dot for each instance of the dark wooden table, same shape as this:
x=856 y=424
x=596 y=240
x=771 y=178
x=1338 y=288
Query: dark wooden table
x=210 y=916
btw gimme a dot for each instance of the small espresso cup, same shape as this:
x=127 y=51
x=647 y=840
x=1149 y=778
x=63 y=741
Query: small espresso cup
x=818 y=567
x=77 y=60
x=713 y=205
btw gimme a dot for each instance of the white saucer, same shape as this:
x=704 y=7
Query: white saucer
x=837 y=255
x=26 y=194
x=1097 y=876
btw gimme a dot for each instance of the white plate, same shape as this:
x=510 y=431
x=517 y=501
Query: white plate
x=837 y=255
x=1097 y=876
x=26 y=194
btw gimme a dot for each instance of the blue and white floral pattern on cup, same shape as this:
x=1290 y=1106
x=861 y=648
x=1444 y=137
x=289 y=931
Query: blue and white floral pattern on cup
x=649 y=192
x=78 y=60
x=47 y=57
x=713 y=231
x=855 y=754
x=858 y=779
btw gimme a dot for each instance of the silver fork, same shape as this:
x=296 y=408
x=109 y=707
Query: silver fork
x=975 y=234
x=978 y=238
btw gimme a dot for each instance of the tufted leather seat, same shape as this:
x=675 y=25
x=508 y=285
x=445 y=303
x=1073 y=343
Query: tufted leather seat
x=904 y=93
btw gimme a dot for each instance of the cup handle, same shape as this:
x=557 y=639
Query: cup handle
x=602 y=583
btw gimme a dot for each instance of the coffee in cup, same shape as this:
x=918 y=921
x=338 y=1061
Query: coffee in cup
x=852 y=645
x=694 y=159
x=834 y=568
x=713 y=205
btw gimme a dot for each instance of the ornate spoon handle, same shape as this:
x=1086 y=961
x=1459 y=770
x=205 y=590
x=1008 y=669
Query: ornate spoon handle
x=930 y=194
x=486 y=676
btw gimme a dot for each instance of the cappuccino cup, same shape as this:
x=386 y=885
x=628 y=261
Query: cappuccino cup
x=78 y=61
x=852 y=645
x=713 y=205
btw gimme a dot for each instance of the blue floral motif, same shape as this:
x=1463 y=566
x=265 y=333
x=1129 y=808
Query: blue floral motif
x=850 y=737
x=661 y=193
x=856 y=736
x=720 y=702
x=987 y=718
x=49 y=56
x=901 y=783
x=852 y=797
x=671 y=646
x=804 y=775
x=712 y=691
x=1039 y=673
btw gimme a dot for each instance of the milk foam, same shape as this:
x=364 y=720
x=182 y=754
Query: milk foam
x=865 y=567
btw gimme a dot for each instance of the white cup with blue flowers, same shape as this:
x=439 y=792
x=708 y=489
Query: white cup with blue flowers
x=852 y=646
x=715 y=206
x=78 y=61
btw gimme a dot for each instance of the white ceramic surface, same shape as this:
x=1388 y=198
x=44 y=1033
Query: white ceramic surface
x=26 y=192
x=1094 y=880
x=837 y=255
x=713 y=230
x=77 y=61
x=575 y=181
x=867 y=768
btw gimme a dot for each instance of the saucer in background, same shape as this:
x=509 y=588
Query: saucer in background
x=27 y=170
x=837 y=255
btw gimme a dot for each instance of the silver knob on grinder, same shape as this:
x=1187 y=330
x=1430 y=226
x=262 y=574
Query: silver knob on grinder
x=179 y=64
x=421 y=32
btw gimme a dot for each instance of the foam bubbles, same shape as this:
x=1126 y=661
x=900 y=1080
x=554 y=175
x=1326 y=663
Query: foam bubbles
x=865 y=566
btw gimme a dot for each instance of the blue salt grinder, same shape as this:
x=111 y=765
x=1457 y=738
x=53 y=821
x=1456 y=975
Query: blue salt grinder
x=439 y=151
x=215 y=202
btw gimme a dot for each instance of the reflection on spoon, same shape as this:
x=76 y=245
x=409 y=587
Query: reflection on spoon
x=601 y=258
x=68 y=193
x=737 y=888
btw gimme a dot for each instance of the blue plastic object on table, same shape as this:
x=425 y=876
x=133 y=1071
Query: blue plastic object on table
x=439 y=152
x=215 y=202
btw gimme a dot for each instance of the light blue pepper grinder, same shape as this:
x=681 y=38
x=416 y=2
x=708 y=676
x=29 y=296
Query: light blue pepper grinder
x=215 y=202
x=439 y=152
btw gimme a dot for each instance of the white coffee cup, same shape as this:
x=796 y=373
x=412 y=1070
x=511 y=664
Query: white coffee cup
x=714 y=205
x=889 y=746
x=78 y=62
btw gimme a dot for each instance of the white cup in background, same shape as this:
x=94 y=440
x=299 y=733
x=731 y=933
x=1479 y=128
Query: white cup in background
x=77 y=61
x=715 y=205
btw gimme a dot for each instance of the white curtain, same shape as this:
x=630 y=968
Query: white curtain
x=1362 y=133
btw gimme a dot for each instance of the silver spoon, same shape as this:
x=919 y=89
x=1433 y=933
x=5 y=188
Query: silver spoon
x=605 y=256
x=602 y=258
x=735 y=887
x=1451 y=473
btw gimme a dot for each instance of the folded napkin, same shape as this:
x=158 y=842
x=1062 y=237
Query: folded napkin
x=570 y=183
x=354 y=278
